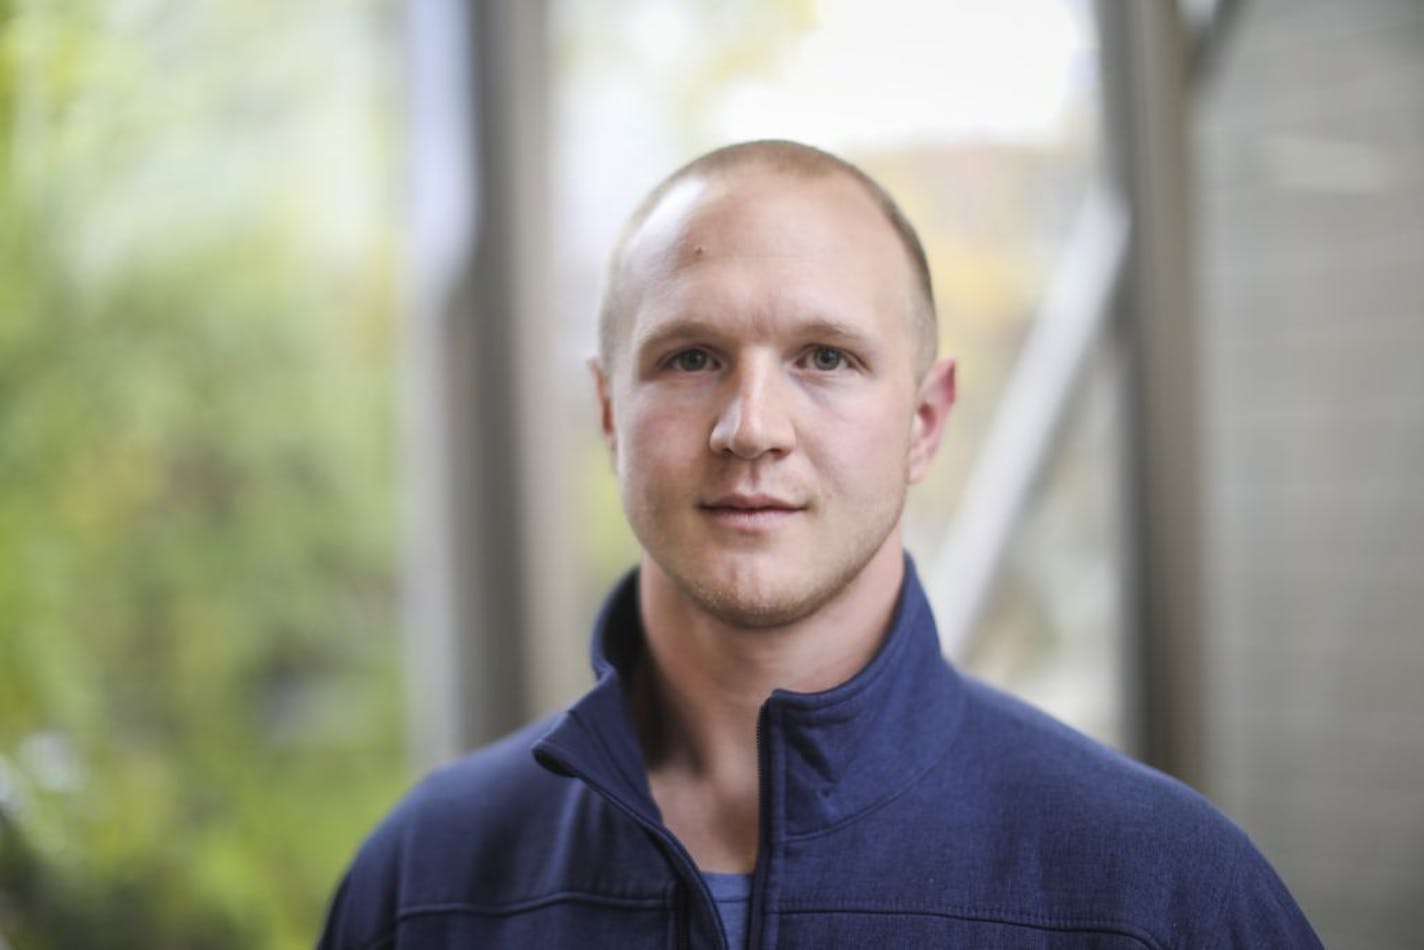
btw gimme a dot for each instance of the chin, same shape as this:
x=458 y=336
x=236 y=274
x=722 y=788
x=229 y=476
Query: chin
x=762 y=596
x=758 y=614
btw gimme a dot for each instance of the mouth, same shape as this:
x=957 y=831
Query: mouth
x=750 y=512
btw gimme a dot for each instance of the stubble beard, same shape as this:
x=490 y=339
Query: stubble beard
x=768 y=612
x=736 y=602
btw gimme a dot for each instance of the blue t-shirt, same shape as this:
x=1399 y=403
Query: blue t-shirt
x=733 y=893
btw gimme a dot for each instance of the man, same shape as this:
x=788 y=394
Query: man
x=775 y=754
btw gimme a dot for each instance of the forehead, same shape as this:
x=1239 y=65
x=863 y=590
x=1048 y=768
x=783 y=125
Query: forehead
x=821 y=239
x=756 y=211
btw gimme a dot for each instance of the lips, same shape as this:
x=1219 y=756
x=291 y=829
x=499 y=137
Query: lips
x=751 y=502
x=750 y=511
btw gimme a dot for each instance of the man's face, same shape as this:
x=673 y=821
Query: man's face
x=762 y=405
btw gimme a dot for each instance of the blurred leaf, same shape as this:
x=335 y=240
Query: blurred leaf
x=197 y=662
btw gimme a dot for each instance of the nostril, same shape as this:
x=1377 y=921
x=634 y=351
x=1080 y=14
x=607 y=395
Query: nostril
x=754 y=421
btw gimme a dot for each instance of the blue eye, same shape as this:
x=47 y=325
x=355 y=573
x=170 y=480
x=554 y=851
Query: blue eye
x=828 y=359
x=691 y=361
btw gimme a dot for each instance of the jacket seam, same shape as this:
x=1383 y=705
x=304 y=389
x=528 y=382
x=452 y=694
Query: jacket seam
x=504 y=909
x=984 y=915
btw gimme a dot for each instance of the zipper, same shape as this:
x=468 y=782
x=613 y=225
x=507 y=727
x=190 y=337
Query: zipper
x=755 y=913
x=684 y=919
x=676 y=853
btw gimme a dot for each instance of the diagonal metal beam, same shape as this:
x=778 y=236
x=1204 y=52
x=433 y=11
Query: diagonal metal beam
x=1073 y=318
x=1077 y=315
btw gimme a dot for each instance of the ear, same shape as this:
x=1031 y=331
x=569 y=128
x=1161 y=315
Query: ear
x=603 y=391
x=935 y=399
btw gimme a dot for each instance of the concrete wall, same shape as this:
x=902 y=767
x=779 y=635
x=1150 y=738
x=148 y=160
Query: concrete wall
x=1310 y=159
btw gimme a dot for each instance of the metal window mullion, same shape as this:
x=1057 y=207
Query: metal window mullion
x=471 y=461
x=1147 y=55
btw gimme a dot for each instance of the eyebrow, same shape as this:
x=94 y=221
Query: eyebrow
x=687 y=329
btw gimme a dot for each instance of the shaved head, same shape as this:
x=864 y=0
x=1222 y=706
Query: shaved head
x=777 y=157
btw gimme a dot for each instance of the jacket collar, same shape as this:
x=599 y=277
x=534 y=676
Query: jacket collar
x=832 y=755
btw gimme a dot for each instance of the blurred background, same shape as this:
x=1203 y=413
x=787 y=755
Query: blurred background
x=300 y=486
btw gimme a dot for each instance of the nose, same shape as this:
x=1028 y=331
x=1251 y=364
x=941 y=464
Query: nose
x=754 y=418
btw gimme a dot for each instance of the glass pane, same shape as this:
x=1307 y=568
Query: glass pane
x=1054 y=630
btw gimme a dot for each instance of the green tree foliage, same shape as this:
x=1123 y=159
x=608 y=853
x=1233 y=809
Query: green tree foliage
x=198 y=703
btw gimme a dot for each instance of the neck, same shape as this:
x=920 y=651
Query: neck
x=699 y=695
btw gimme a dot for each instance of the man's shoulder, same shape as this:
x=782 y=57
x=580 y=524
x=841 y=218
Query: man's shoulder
x=1111 y=835
x=466 y=801
x=437 y=843
x=1054 y=774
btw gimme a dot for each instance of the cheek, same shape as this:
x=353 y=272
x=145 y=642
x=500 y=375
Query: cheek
x=658 y=446
x=868 y=455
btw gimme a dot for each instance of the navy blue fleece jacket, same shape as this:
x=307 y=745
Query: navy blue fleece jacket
x=908 y=807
